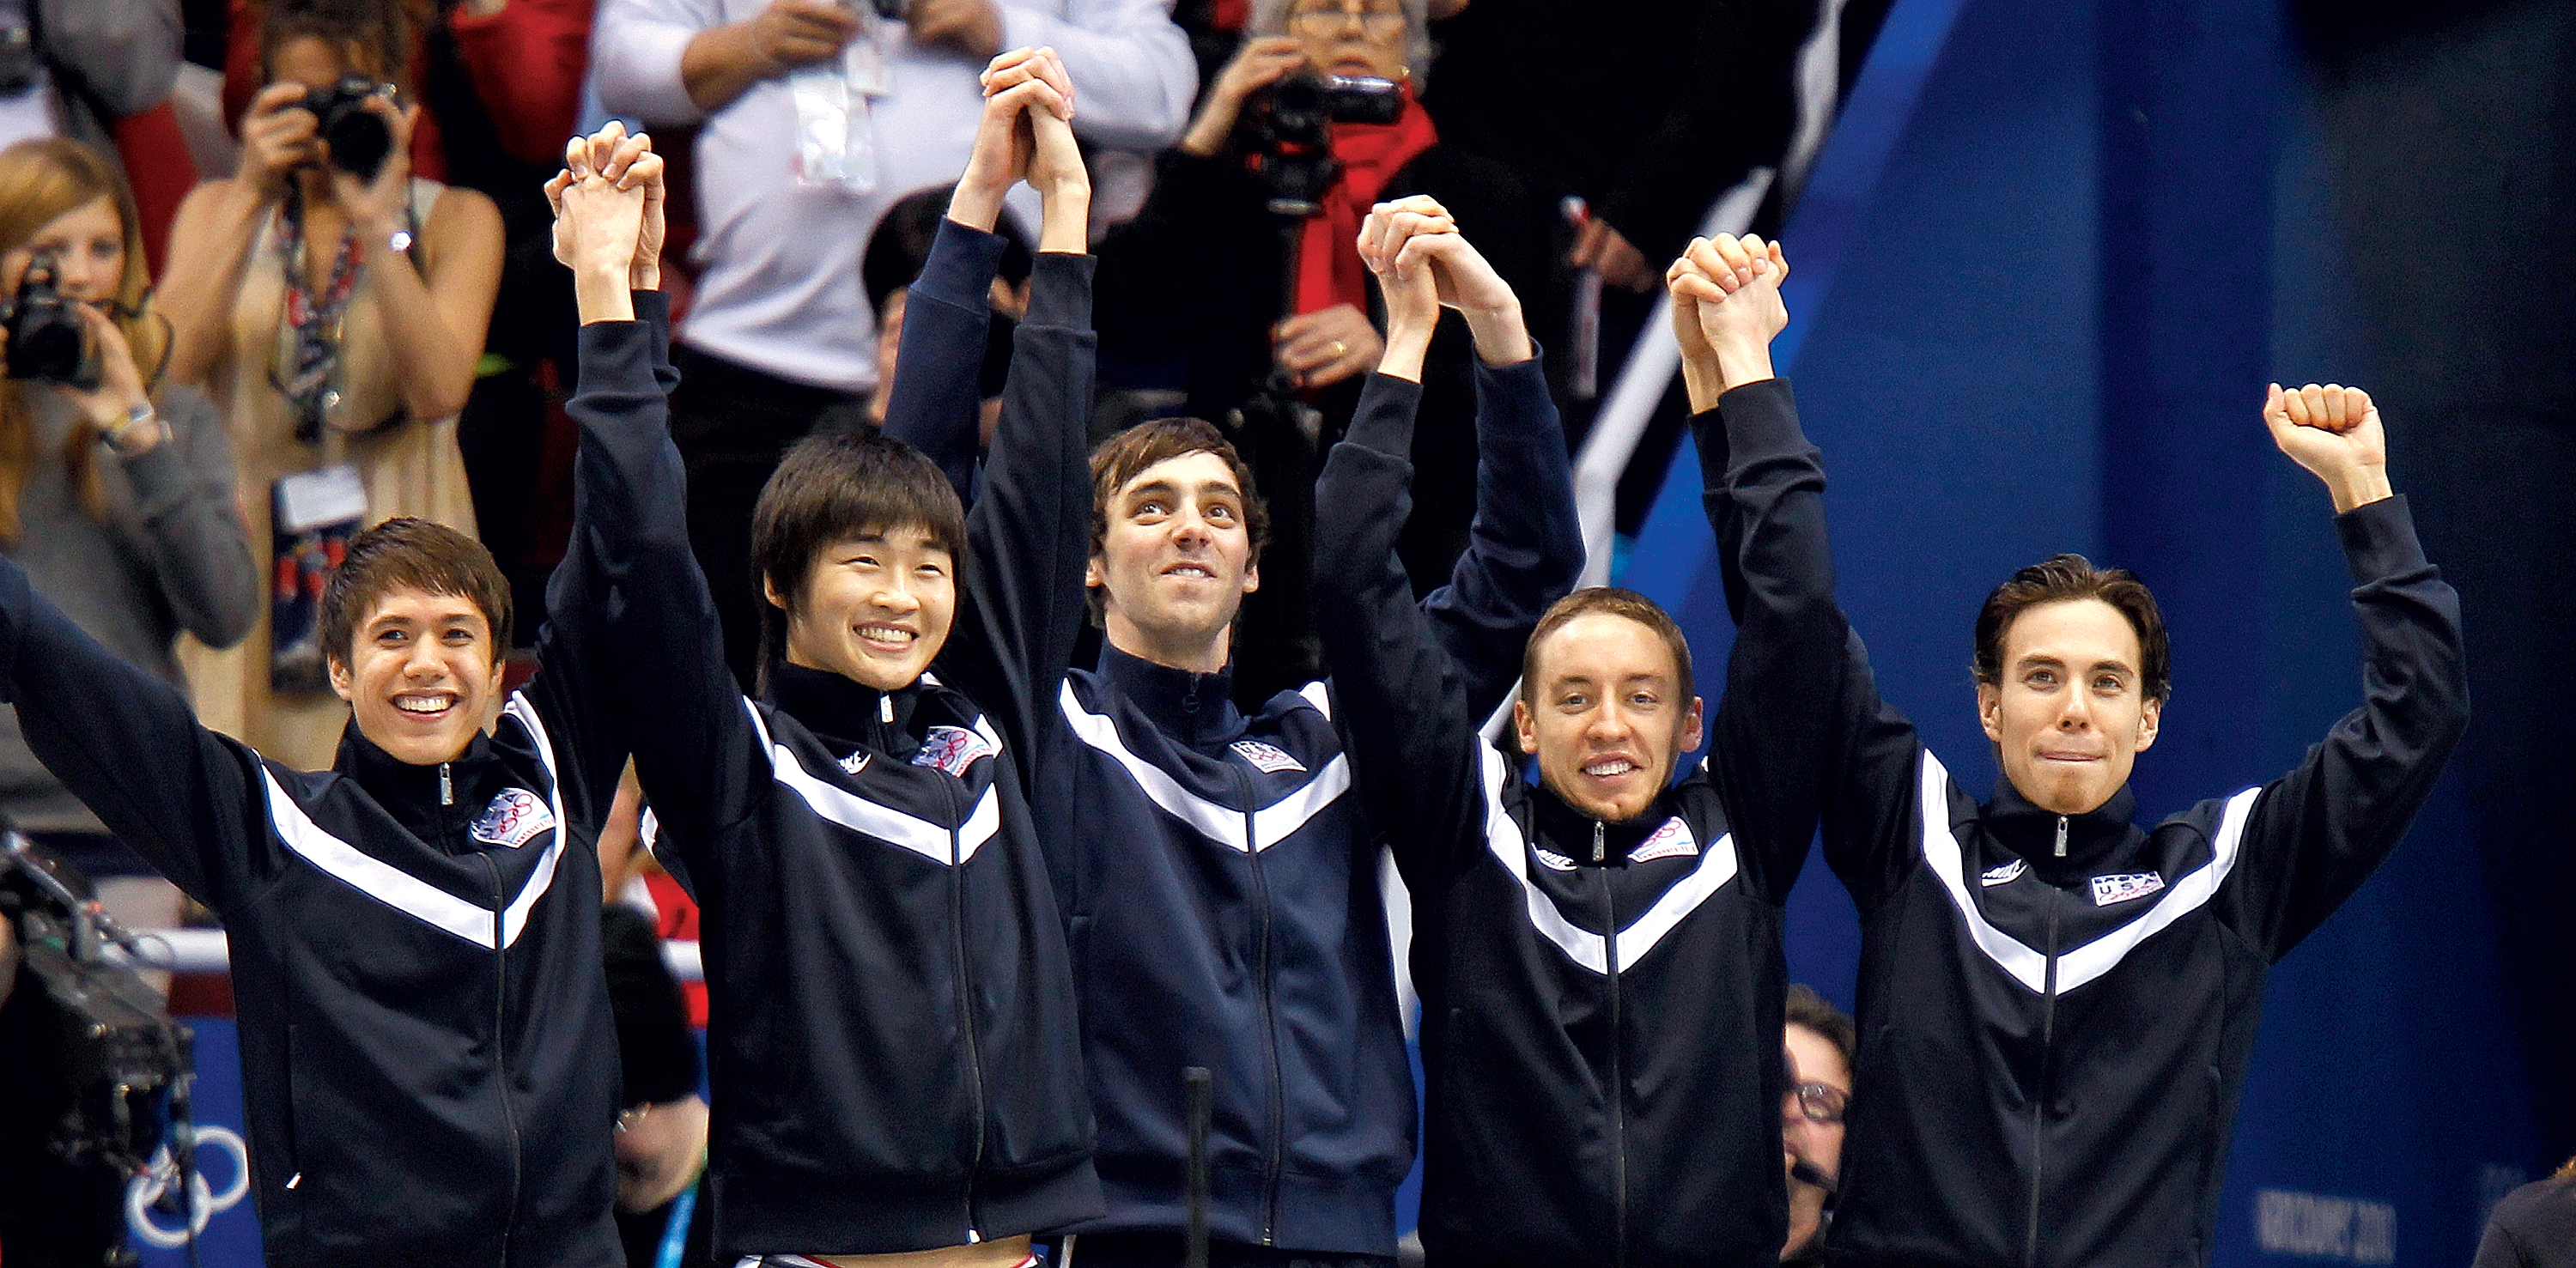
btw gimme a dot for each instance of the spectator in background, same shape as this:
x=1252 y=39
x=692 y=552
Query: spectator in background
x=337 y=320
x=1252 y=353
x=779 y=343
x=72 y=68
x=895 y=254
x=1820 y=1040
x=120 y=507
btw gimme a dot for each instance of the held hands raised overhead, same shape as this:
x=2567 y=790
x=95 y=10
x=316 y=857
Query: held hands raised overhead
x=1726 y=310
x=1414 y=241
x=1026 y=133
x=608 y=204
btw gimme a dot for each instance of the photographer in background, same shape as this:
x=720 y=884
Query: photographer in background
x=335 y=306
x=1275 y=353
x=115 y=497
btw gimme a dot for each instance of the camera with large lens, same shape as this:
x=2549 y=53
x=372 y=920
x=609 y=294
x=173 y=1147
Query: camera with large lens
x=1293 y=136
x=358 y=137
x=47 y=338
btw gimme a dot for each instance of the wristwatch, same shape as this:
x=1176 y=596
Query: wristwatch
x=140 y=421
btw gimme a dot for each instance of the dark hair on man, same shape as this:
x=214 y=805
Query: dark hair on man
x=2064 y=578
x=834 y=486
x=1611 y=601
x=376 y=37
x=408 y=553
x=1804 y=1007
x=900 y=246
x=1132 y=452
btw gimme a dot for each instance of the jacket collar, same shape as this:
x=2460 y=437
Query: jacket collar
x=1570 y=832
x=845 y=713
x=425 y=799
x=1195 y=709
x=2030 y=832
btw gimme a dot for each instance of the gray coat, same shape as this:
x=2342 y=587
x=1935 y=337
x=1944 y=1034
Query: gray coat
x=107 y=59
x=169 y=555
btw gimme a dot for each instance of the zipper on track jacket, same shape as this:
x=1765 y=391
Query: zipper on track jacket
x=2039 y=1102
x=1270 y=1162
x=1616 y=1092
x=965 y=993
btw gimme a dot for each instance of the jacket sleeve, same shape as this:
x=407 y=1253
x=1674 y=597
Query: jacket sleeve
x=1776 y=563
x=124 y=742
x=1525 y=545
x=527 y=62
x=1029 y=533
x=635 y=57
x=646 y=637
x=936 y=404
x=184 y=496
x=1772 y=747
x=2314 y=835
x=1400 y=701
x=1137 y=75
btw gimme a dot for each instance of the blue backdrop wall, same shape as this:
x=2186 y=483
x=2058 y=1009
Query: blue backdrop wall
x=2044 y=270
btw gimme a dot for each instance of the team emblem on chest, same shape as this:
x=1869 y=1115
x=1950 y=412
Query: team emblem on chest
x=514 y=818
x=952 y=749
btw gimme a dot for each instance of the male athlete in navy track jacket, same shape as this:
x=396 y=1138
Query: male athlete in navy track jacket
x=894 y=1054
x=1598 y=953
x=1222 y=887
x=2057 y=1005
x=429 y=1064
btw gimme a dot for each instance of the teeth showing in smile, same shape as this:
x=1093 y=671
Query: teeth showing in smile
x=1612 y=766
x=431 y=703
x=886 y=634
x=1190 y=570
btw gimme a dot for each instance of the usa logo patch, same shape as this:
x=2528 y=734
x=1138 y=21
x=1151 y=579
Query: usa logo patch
x=1673 y=840
x=2004 y=875
x=952 y=749
x=2124 y=886
x=1269 y=759
x=515 y=817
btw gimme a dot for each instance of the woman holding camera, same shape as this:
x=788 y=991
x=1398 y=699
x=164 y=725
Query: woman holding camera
x=118 y=501
x=1293 y=326
x=335 y=306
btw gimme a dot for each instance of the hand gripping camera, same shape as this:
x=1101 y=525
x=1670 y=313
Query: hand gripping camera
x=47 y=339
x=1292 y=131
x=358 y=137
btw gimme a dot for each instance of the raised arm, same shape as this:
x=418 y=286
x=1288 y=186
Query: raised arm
x=2316 y=834
x=1401 y=701
x=1030 y=530
x=651 y=623
x=1801 y=732
x=1525 y=546
x=125 y=743
x=1763 y=488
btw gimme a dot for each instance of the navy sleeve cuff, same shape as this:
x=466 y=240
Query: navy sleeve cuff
x=1384 y=420
x=615 y=356
x=963 y=262
x=2379 y=540
x=1060 y=290
x=1520 y=389
x=1761 y=420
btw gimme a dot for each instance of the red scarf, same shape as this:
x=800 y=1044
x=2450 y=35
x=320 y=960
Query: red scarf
x=1329 y=271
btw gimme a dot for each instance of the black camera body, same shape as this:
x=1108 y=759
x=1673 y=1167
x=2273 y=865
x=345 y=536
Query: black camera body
x=1293 y=135
x=358 y=137
x=47 y=339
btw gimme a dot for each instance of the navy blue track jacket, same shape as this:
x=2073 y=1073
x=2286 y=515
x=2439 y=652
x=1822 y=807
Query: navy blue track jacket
x=1223 y=890
x=1601 y=1001
x=2053 y=1042
x=429 y=1064
x=893 y=1053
